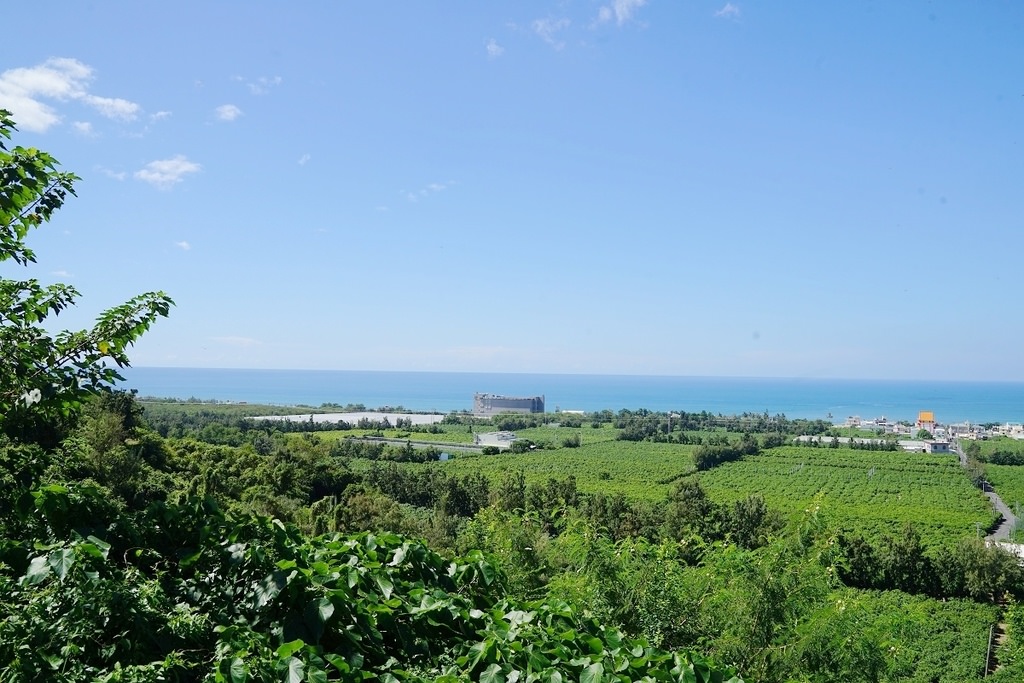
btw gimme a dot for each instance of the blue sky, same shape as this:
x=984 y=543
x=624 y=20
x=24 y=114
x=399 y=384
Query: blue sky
x=799 y=189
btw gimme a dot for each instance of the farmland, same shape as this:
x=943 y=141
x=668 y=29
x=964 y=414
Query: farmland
x=866 y=491
x=869 y=491
x=639 y=471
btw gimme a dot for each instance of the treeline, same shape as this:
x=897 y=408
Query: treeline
x=888 y=445
x=651 y=423
x=970 y=568
x=999 y=456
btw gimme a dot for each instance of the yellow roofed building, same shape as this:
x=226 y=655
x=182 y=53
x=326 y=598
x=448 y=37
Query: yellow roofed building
x=926 y=420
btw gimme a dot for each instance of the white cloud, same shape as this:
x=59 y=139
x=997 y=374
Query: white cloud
x=728 y=11
x=262 y=85
x=548 y=28
x=429 y=189
x=116 y=175
x=183 y=245
x=83 y=127
x=113 y=107
x=26 y=92
x=165 y=173
x=228 y=112
x=159 y=116
x=621 y=10
x=303 y=159
x=61 y=273
x=493 y=49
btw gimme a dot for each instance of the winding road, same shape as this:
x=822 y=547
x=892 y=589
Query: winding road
x=1002 y=532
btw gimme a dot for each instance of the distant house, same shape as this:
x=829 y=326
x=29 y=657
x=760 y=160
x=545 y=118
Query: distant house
x=501 y=440
x=936 y=447
x=925 y=421
x=1014 y=430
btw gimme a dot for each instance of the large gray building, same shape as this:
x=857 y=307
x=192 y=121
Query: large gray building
x=486 y=405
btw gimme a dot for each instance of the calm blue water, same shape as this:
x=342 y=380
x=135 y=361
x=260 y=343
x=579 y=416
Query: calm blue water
x=447 y=391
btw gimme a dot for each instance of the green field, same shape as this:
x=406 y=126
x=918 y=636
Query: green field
x=632 y=469
x=1001 y=443
x=869 y=491
x=451 y=434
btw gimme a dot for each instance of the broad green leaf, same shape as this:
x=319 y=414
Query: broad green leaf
x=269 y=588
x=103 y=546
x=326 y=609
x=288 y=649
x=492 y=674
x=399 y=557
x=338 y=662
x=294 y=671
x=61 y=560
x=239 y=672
x=475 y=654
x=487 y=572
x=385 y=585
x=592 y=674
x=595 y=645
x=38 y=569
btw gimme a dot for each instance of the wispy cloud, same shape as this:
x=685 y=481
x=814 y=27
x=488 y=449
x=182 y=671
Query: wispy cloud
x=493 y=49
x=61 y=273
x=304 y=159
x=29 y=92
x=548 y=30
x=621 y=11
x=159 y=116
x=227 y=112
x=116 y=175
x=83 y=128
x=113 y=107
x=183 y=245
x=262 y=85
x=426 y=191
x=729 y=11
x=166 y=173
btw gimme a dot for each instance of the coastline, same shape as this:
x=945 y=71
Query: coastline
x=438 y=392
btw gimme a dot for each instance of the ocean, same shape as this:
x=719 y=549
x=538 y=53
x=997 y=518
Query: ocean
x=831 y=399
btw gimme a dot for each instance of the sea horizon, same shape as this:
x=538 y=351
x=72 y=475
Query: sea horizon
x=832 y=399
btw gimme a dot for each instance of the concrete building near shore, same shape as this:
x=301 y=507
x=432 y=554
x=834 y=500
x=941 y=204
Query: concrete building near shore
x=487 y=405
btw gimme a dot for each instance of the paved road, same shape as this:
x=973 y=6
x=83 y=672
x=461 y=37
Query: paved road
x=1002 y=532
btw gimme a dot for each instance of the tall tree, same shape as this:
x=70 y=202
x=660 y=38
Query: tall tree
x=45 y=376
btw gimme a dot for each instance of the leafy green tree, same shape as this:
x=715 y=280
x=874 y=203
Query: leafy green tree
x=45 y=376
